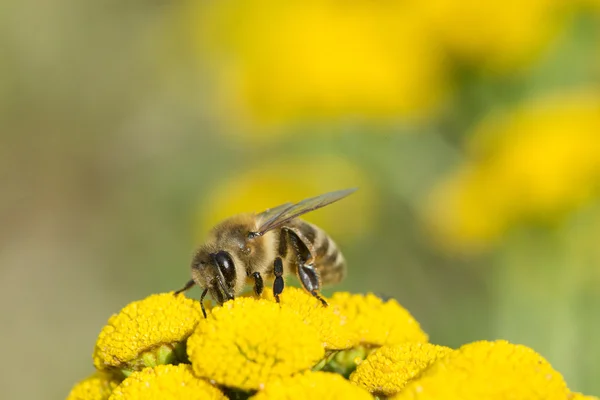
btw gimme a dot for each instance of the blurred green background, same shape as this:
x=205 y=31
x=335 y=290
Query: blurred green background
x=471 y=128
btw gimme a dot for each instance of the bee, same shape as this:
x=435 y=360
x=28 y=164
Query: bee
x=251 y=248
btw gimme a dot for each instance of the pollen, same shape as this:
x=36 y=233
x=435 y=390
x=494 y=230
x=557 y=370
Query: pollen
x=98 y=386
x=312 y=385
x=488 y=370
x=166 y=382
x=148 y=332
x=247 y=343
x=388 y=369
x=377 y=322
x=329 y=322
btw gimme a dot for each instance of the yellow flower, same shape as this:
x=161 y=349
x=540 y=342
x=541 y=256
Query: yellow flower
x=535 y=165
x=331 y=325
x=378 y=322
x=98 y=386
x=291 y=180
x=579 y=396
x=388 y=369
x=297 y=60
x=166 y=382
x=248 y=342
x=147 y=332
x=488 y=370
x=495 y=34
x=312 y=385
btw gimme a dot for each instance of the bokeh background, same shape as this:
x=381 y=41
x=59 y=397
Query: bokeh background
x=471 y=128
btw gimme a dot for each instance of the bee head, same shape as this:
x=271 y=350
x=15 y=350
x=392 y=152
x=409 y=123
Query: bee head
x=216 y=273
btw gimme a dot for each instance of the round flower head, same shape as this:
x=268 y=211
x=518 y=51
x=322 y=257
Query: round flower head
x=98 y=386
x=312 y=385
x=331 y=325
x=248 y=342
x=388 y=369
x=166 y=382
x=148 y=332
x=378 y=322
x=488 y=370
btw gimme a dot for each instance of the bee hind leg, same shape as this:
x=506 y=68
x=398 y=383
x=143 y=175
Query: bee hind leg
x=278 y=284
x=310 y=280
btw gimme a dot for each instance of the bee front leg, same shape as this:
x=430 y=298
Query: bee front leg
x=278 y=284
x=310 y=280
x=186 y=287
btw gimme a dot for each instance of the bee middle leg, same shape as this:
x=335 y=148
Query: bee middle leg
x=258 y=283
x=278 y=284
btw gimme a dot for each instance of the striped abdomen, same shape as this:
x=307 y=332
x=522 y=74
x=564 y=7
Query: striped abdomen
x=326 y=257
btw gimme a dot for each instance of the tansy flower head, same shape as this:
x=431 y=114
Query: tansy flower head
x=378 y=322
x=536 y=164
x=388 y=369
x=312 y=385
x=165 y=382
x=98 y=386
x=488 y=370
x=331 y=325
x=248 y=342
x=360 y=58
x=147 y=333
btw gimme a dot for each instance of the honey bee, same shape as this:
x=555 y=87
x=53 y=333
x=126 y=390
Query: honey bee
x=250 y=248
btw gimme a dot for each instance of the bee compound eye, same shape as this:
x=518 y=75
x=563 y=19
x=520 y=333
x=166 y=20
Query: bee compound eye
x=226 y=266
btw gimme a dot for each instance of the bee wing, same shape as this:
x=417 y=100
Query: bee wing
x=292 y=211
x=271 y=213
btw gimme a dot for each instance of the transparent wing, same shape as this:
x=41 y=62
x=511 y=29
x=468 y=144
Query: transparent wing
x=272 y=212
x=292 y=211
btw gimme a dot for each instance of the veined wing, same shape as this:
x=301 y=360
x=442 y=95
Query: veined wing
x=292 y=211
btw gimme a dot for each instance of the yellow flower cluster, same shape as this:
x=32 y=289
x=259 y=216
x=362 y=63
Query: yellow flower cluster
x=312 y=60
x=139 y=334
x=318 y=59
x=388 y=369
x=533 y=165
x=166 y=382
x=358 y=347
x=99 y=386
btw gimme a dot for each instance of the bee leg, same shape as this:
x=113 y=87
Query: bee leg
x=278 y=284
x=258 y=283
x=186 y=287
x=202 y=301
x=310 y=280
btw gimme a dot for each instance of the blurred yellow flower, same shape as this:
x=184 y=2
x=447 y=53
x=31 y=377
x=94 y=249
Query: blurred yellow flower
x=312 y=385
x=294 y=60
x=166 y=382
x=292 y=180
x=536 y=164
x=378 y=322
x=488 y=370
x=494 y=34
x=248 y=342
x=332 y=326
x=98 y=386
x=388 y=369
x=147 y=332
